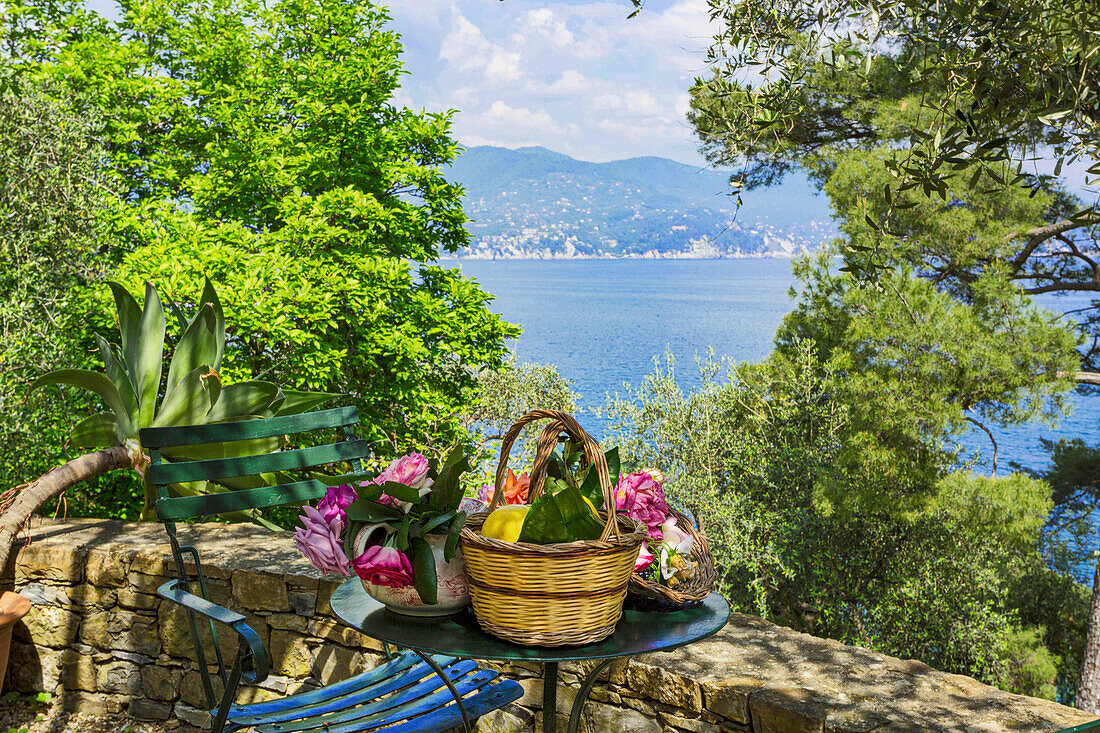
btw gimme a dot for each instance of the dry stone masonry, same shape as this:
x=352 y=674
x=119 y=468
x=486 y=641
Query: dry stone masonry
x=100 y=639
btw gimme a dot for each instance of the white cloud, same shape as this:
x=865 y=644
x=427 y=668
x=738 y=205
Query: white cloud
x=550 y=26
x=520 y=117
x=570 y=82
x=467 y=48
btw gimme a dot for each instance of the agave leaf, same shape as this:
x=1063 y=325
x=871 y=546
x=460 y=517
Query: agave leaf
x=129 y=318
x=253 y=482
x=243 y=399
x=98 y=383
x=181 y=317
x=210 y=296
x=196 y=348
x=294 y=403
x=147 y=361
x=191 y=399
x=208 y=487
x=97 y=431
x=117 y=373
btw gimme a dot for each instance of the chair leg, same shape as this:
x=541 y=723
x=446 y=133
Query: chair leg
x=450 y=686
x=228 y=696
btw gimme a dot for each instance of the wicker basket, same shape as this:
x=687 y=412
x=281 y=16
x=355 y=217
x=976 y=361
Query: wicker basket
x=559 y=594
x=695 y=589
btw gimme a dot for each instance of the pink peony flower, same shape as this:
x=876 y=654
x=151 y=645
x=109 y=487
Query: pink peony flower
x=639 y=496
x=386 y=566
x=645 y=558
x=342 y=496
x=411 y=470
x=319 y=540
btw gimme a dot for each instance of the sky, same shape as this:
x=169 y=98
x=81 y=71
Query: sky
x=576 y=77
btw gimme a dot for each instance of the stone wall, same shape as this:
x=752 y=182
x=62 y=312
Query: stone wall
x=99 y=639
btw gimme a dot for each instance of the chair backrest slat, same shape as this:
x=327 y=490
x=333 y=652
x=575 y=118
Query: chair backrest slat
x=185 y=507
x=286 y=460
x=248 y=429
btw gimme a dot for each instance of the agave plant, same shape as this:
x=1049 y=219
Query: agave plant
x=138 y=394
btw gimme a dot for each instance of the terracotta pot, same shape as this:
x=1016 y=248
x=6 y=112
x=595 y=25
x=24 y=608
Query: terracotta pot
x=12 y=608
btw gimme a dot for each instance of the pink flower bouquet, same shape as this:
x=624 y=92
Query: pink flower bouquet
x=667 y=555
x=393 y=531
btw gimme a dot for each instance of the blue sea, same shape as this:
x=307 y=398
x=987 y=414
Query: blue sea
x=602 y=322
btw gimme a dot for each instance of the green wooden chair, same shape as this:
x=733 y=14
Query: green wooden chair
x=412 y=692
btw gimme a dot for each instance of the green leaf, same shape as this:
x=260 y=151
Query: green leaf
x=401 y=537
x=197 y=347
x=291 y=402
x=401 y=491
x=190 y=400
x=97 y=431
x=437 y=521
x=447 y=489
x=97 y=383
x=242 y=399
x=366 y=510
x=147 y=359
x=129 y=318
x=423 y=564
x=117 y=373
x=560 y=517
x=210 y=297
x=181 y=317
x=454 y=532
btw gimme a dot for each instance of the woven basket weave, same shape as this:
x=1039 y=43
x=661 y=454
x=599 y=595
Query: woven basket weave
x=558 y=594
x=695 y=589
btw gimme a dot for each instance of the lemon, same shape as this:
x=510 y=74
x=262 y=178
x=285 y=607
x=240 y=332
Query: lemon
x=505 y=523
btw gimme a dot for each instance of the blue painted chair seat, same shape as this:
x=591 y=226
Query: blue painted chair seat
x=403 y=695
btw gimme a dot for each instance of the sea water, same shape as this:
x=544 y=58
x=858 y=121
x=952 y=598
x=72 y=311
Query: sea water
x=602 y=323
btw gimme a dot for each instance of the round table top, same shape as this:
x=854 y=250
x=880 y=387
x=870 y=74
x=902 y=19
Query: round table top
x=459 y=635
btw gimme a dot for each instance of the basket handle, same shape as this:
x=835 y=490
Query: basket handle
x=548 y=440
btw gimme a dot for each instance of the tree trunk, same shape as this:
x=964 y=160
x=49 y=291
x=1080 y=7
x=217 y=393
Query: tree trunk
x=1088 y=689
x=54 y=483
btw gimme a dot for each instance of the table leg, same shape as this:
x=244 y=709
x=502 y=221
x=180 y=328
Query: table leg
x=549 y=697
x=582 y=695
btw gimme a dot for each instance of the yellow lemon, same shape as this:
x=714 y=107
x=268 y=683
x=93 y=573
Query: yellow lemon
x=505 y=523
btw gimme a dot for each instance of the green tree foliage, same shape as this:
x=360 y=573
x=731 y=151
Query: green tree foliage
x=52 y=201
x=761 y=451
x=257 y=144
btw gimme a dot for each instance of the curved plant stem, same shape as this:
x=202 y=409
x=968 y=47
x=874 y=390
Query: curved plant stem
x=53 y=484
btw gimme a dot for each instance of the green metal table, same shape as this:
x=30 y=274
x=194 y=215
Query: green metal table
x=459 y=635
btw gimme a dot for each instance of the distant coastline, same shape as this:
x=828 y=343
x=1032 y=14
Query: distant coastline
x=686 y=255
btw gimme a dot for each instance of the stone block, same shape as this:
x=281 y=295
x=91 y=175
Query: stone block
x=191 y=690
x=191 y=715
x=153 y=563
x=787 y=710
x=290 y=655
x=508 y=719
x=144 y=709
x=331 y=662
x=343 y=634
x=608 y=719
x=93 y=703
x=160 y=682
x=129 y=598
x=40 y=594
x=33 y=668
x=664 y=686
x=107 y=569
x=142 y=583
x=78 y=671
x=174 y=633
x=118 y=678
x=729 y=697
x=289 y=622
x=693 y=725
x=51 y=626
x=120 y=629
x=46 y=561
x=260 y=592
x=94 y=595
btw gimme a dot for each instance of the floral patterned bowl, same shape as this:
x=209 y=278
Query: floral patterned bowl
x=452 y=594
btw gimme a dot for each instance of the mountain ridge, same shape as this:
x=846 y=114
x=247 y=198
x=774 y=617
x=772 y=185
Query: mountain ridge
x=533 y=202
